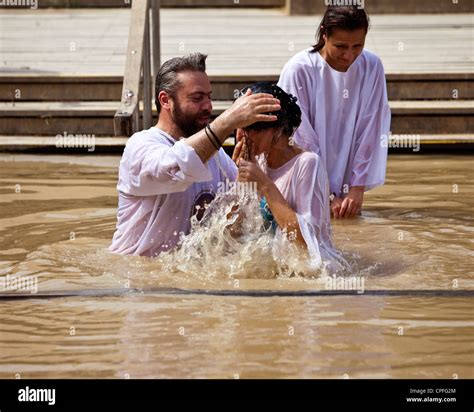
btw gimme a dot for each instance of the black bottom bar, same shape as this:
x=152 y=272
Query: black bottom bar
x=403 y=395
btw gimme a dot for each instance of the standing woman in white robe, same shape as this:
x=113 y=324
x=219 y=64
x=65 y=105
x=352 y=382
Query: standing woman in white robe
x=342 y=93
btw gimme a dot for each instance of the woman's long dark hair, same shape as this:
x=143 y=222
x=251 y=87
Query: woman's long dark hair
x=340 y=17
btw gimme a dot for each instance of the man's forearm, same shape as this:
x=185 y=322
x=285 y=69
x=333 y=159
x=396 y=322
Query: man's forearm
x=202 y=143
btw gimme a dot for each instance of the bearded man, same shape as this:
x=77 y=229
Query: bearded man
x=170 y=171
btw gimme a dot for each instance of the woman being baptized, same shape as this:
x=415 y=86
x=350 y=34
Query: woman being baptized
x=292 y=183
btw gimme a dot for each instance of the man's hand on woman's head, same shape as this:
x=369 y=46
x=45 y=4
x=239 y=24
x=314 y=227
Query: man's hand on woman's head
x=251 y=108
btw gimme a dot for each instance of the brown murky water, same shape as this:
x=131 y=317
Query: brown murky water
x=57 y=216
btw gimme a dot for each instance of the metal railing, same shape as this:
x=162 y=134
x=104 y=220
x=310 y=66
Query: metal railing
x=137 y=86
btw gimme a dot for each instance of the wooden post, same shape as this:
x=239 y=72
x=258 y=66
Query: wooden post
x=126 y=117
x=147 y=80
x=155 y=38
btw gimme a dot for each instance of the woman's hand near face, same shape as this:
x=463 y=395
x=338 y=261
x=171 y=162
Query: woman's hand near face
x=249 y=171
x=284 y=215
x=243 y=149
x=238 y=152
x=239 y=135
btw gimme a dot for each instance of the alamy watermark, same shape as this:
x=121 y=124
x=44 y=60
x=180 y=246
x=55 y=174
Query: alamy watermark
x=76 y=140
x=32 y=4
x=345 y=283
x=28 y=394
x=19 y=283
x=358 y=3
x=236 y=188
x=407 y=141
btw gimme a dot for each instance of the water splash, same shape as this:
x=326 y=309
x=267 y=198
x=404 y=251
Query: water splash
x=231 y=242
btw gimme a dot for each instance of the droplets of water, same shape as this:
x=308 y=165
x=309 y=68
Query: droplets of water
x=231 y=242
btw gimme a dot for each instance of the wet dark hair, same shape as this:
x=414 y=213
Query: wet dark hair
x=289 y=116
x=167 y=79
x=343 y=18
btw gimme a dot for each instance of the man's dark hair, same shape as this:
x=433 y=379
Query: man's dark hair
x=167 y=77
x=288 y=117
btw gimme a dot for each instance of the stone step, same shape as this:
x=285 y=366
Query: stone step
x=52 y=118
x=112 y=144
x=307 y=7
x=40 y=87
x=42 y=144
x=163 y=3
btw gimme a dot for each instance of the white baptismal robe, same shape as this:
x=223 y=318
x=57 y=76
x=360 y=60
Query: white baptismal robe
x=345 y=117
x=161 y=182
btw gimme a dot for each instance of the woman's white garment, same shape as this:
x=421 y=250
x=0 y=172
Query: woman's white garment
x=161 y=182
x=345 y=117
x=303 y=183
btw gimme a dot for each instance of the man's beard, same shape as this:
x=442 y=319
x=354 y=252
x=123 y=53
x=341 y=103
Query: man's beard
x=188 y=123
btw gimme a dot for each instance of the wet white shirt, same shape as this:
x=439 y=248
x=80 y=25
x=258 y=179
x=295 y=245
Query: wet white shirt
x=345 y=117
x=303 y=183
x=161 y=182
